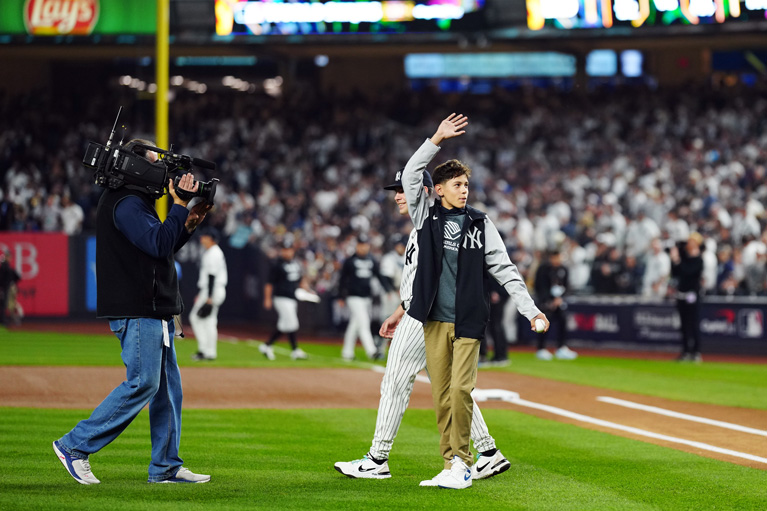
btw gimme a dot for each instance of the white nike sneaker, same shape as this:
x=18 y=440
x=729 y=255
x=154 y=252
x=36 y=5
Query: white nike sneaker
x=267 y=351
x=298 y=354
x=434 y=481
x=565 y=353
x=184 y=475
x=364 y=468
x=489 y=466
x=459 y=476
x=543 y=354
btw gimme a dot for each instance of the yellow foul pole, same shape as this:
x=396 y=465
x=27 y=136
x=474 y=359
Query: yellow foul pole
x=161 y=97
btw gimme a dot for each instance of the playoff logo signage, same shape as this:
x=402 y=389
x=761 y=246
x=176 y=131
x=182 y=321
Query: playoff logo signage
x=61 y=17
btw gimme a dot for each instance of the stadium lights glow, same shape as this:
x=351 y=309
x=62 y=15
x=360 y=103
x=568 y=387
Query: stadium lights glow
x=125 y=80
x=177 y=80
x=236 y=84
x=552 y=9
x=152 y=88
x=321 y=60
x=256 y=12
x=666 y=5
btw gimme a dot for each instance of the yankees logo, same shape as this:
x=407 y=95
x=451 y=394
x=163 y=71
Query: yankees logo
x=409 y=255
x=473 y=237
x=452 y=230
x=398 y=177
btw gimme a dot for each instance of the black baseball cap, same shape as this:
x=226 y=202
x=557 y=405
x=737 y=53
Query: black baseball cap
x=397 y=184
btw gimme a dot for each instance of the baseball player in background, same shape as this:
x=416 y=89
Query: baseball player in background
x=407 y=357
x=280 y=292
x=355 y=291
x=210 y=295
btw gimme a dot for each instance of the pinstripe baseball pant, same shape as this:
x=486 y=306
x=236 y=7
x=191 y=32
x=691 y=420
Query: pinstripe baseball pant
x=407 y=357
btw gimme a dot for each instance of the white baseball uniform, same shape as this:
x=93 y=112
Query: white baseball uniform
x=407 y=357
x=206 y=329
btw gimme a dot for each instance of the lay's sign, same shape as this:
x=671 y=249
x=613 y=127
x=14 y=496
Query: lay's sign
x=61 y=17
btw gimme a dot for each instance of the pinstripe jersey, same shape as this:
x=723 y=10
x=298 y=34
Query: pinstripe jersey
x=408 y=270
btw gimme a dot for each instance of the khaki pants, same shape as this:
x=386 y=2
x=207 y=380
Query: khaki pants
x=452 y=366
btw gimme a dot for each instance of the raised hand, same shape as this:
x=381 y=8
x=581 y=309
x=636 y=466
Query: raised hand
x=450 y=127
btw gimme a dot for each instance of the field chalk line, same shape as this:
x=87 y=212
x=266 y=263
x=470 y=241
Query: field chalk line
x=513 y=398
x=678 y=415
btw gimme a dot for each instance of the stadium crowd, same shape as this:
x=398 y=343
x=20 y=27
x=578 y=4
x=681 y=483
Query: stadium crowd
x=610 y=178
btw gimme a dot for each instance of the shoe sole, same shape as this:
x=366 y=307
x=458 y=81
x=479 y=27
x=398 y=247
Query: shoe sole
x=179 y=481
x=63 y=460
x=385 y=475
x=506 y=466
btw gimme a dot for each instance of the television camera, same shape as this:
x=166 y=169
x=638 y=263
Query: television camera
x=126 y=165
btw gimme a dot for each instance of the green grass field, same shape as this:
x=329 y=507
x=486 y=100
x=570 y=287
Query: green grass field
x=283 y=459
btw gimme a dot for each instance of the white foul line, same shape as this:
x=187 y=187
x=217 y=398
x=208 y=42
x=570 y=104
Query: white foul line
x=637 y=431
x=678 y=415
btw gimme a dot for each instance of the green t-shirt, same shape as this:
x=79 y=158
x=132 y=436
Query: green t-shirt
x=444 y=303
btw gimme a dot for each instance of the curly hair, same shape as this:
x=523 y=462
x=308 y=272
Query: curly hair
x=449 y=170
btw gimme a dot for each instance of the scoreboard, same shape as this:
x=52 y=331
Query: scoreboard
x=605 y=14
x=301 y=17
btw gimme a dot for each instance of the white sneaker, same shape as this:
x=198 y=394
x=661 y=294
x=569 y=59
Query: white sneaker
x=364 y=468
x=184 y=475
x=565 y=353
x=543 y=355
x=298 y=354
x=434 y=481
x=459 y=476
x=79 y=469
x=267 y=351
x=489 y=466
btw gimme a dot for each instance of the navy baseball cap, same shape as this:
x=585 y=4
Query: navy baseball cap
x=212 y=232
x=397 y=184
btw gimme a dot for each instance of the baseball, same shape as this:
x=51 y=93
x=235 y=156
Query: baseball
x=540 y=325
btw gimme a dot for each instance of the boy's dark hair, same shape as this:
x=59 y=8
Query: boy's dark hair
x=449 y=170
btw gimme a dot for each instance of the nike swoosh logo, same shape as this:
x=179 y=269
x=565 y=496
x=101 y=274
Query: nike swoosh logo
x=367 y=469
x=483 y=467
x=467 y=475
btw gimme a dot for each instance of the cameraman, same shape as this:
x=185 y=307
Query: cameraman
x=138 y=293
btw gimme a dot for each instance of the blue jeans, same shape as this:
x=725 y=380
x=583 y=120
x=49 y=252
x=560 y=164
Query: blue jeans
x=152 y=376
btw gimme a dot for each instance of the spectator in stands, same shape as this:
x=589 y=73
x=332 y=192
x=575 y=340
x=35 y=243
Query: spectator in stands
x=71 y=215
x=657 y=272
x=756 y=276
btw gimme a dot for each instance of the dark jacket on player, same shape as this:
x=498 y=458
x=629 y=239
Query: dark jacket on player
x=550 y=282
x=356 y=274
x=285 y=276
